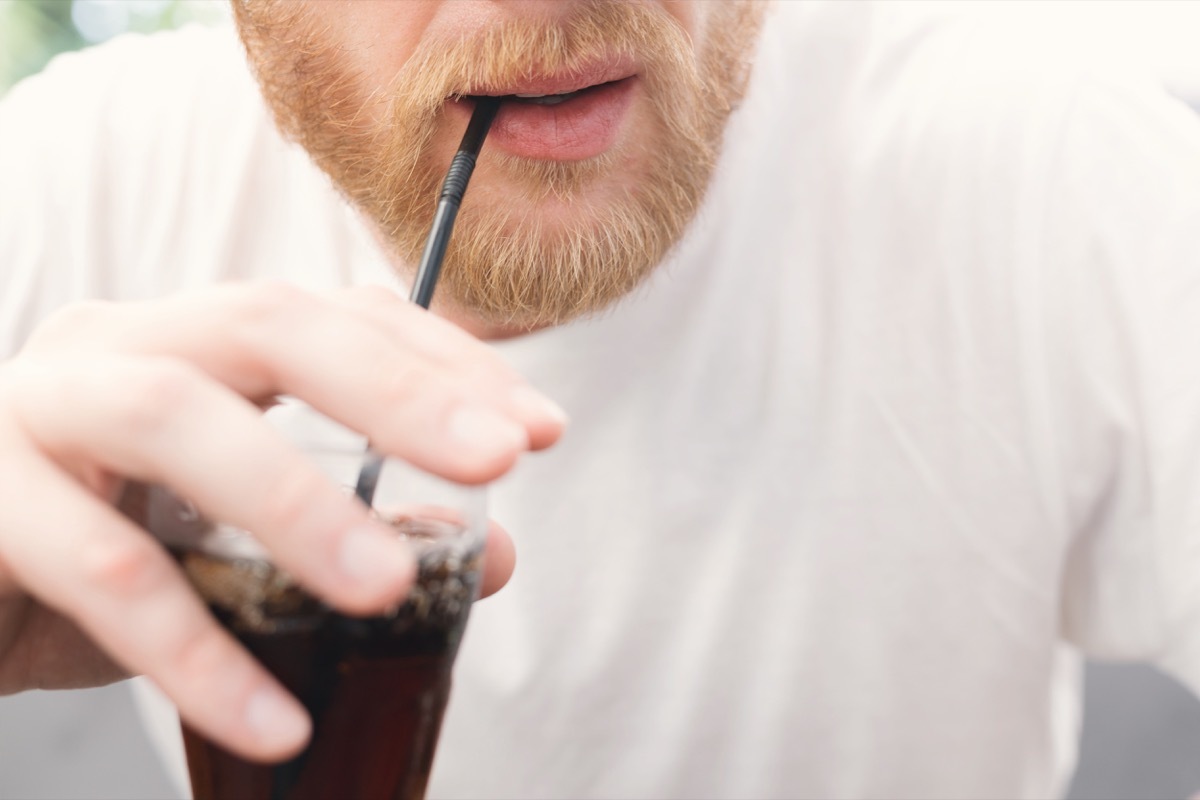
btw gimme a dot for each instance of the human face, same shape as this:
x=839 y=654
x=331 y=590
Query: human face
x=575 y=199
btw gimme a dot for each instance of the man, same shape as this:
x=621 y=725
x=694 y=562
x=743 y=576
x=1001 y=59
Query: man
x=877 y=331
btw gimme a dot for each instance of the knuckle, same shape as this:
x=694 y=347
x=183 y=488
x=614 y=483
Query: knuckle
x=199 y=656
x=404 y=386
x=267 y=303
x=152 y=396
x=69 y=324
x=129 y=567
x=288 y=501
x=408 y=402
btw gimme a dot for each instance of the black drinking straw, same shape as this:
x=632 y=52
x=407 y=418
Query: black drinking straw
x=454 y=186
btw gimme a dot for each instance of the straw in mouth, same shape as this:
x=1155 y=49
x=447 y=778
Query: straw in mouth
x=540 y=99
x=454 y=186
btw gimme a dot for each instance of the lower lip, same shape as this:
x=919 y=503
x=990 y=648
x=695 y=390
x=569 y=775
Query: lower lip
x=579 y=128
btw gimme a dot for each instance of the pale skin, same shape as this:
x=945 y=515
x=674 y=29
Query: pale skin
x=171 y=391
x=160 y=392
x=377 y=37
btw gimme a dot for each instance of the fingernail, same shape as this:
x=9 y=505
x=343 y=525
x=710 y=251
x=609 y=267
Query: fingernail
x=482 y=429
x=374 y=558
x=276 y=719
x=533 y=403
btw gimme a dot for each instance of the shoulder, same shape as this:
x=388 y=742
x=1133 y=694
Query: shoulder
x=128 y=86
x=126 y=169
x=913 y=90
x=139 y=152
x=105 y=120
x=991 y=89
x=981 y=112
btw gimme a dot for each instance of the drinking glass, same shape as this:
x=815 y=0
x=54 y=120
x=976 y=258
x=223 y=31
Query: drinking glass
x=376 y=687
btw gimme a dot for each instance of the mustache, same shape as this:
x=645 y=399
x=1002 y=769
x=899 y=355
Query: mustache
x=517 y=52
x=383 y=141
x=493 y=60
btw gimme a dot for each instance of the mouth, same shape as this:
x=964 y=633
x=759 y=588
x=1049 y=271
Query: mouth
x=549 y=99
x=570 y=117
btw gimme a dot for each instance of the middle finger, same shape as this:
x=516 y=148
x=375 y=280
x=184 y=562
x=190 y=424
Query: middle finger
x=161 y=421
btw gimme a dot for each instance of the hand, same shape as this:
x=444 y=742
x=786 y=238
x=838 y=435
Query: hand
x=166 y=392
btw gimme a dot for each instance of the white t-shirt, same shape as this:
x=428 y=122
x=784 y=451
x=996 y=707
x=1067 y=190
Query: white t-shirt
x=911 y=414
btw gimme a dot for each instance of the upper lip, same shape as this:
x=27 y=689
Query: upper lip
x=573 y=80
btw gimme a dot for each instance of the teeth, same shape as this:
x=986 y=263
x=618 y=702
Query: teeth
x=546 y=99
x=556 y=94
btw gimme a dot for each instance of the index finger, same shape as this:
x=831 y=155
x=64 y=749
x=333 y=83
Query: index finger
x=164 y=422
x=458 y=411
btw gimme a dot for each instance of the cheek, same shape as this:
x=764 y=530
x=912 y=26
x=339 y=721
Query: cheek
x=691 y=15
x=375 y=37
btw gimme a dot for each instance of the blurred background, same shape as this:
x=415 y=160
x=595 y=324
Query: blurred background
x=1142 y=731
x=34 y=31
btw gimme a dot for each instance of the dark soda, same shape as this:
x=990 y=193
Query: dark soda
x=376 y=687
